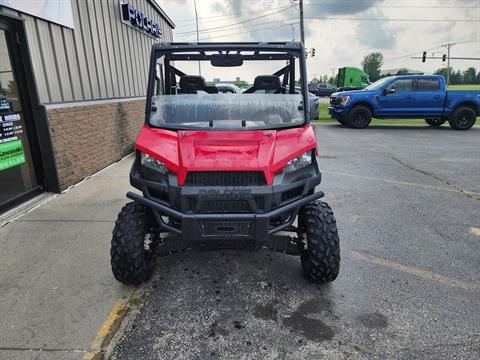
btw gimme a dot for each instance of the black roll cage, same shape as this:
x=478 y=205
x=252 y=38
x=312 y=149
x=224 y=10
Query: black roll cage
x=288 y=51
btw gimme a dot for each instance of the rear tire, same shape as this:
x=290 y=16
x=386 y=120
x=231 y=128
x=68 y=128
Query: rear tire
x=359 y=117
x=131 y=259
x=463 y=118
x=435 y=122
x=321 y=258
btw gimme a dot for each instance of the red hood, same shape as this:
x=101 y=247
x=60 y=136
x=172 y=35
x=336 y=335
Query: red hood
x=259 y=150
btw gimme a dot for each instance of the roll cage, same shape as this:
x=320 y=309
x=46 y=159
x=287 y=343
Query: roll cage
x=288 y=51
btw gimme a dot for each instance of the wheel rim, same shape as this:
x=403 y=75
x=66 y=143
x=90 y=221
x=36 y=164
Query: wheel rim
x=150 y=242
x=464 y=120
x=359 y=119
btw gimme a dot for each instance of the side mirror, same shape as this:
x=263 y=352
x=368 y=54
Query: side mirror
x=390 y=89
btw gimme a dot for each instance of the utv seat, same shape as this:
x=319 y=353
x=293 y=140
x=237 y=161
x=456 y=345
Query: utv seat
x=270 y=83
x=190 y=84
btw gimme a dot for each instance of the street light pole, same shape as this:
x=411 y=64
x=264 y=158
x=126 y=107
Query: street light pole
x=448 y=46
x=302 y=29
x=198 y=38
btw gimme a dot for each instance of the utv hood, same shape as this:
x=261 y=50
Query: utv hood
x=183 y=151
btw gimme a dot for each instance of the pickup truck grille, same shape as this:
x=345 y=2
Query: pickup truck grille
x=225 y=178
x=333 y=100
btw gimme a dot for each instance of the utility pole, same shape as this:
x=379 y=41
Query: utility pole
x=198 y=38
x=302 y=29
x=448 y=46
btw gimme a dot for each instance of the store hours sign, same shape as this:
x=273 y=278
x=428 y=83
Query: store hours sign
x=11 y=147
x=134 y=17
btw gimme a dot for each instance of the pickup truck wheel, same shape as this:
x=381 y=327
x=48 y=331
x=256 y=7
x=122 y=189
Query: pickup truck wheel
x=132 y=251
x=463 y=118
x=359 y=117
x=321 y=258
x=435 y=122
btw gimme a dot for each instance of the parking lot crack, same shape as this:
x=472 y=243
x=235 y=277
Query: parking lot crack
x=455 y=187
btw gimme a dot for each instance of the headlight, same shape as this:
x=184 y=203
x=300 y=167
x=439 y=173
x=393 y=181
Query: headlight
x=299 y=162
x=151 y=162
x=344 y=100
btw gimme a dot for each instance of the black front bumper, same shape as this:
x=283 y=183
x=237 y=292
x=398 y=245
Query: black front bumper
x=250 y=213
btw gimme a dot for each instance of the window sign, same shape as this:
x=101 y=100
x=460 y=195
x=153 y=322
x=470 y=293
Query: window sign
x=5 y=105
x=10 y=127
x=132 y=16
x=11 y=154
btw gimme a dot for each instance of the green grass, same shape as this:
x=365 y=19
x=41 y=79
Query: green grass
x=135 y=301
x=464 y=87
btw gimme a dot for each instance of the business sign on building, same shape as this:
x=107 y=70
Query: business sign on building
x=134 y=17
x=59 y=12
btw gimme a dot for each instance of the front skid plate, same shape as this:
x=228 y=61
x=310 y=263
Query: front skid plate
x=172 y=244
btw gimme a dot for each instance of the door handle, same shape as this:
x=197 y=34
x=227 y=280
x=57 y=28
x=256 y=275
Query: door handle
x=437 y=97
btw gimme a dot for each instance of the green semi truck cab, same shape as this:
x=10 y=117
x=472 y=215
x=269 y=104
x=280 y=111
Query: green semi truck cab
x=350 y=78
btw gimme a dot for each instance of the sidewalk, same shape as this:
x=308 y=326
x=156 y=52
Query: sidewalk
x=56 y=287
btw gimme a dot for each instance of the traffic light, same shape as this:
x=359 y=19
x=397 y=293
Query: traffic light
x=313 y=52
x=444 y=57
x=424 y=56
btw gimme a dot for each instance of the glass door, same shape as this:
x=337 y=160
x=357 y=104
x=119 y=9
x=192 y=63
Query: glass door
x=17 y=169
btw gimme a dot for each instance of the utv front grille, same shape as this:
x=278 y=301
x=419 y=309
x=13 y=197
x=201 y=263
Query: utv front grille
x=223 y=206
x=237 y=206
x=225 y=178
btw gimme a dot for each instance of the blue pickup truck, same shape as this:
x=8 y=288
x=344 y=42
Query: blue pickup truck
x=404 y=97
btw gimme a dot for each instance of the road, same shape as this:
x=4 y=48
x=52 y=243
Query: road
x=407 y=202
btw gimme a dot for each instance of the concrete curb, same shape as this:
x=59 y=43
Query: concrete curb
x=109 y=328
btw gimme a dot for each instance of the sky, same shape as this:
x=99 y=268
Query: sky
x=341 y=31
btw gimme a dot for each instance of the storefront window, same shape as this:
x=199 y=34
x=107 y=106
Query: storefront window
x=17 y=175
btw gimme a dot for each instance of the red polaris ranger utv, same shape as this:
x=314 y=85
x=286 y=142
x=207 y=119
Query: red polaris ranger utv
x=219 y=170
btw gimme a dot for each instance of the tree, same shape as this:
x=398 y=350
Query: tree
x=371 y=64
x=456 y=77
x=470 y=76
x=443 y=72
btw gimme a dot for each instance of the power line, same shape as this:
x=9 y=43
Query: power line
x=430 y=49
x=387 y=19
x=239 y=28
x=229 y=27
x=254 y=30
x=203 y=19
x=336 y=4
x=238 y=23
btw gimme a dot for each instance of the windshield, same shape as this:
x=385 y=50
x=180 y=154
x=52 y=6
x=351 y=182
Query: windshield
x=227 y=111
x=377 y=84
x=197 y=86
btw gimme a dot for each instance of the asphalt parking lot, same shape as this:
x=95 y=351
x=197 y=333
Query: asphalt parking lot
x=407 y=202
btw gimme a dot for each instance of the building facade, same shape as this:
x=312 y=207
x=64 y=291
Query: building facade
x=73 y=78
